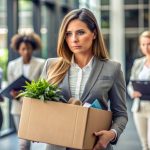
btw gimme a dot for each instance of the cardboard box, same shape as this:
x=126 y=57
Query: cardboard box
x=61 y=124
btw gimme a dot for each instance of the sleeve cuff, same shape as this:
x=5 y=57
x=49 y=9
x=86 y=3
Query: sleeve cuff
x=115 y=134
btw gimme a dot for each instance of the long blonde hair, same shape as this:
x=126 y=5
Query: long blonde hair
x=144 y=34
x=59 y=69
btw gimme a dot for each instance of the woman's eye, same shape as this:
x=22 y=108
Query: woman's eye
x=68 y=34
x=81 y=32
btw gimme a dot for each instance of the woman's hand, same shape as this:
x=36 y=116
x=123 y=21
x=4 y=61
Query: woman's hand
x=104 y=138
x=136 y=94
x=14 y=93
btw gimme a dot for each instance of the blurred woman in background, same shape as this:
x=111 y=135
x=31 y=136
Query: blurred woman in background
x=26 y=65
x=141 y=71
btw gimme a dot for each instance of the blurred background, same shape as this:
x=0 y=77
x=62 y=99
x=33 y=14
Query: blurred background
x=121 y=22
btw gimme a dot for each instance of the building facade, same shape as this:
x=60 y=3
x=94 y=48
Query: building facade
x=121 y=22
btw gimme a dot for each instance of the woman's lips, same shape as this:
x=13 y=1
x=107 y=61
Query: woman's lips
x=76 y=46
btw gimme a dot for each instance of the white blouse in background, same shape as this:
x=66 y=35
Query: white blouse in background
x=145 y=73
x=26 y=69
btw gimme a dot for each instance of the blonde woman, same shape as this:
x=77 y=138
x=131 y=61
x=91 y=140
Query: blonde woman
x=84 y=71
x=26 y=65
x=141 y=71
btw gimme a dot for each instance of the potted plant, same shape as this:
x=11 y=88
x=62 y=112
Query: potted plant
x=42 y=90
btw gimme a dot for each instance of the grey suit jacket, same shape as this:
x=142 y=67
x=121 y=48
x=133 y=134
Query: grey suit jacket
x=106 y=83
x=15 y=69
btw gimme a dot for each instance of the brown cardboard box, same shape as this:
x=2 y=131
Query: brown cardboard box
x=61 y=124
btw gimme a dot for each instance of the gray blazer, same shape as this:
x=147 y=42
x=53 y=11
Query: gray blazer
x=106 y=83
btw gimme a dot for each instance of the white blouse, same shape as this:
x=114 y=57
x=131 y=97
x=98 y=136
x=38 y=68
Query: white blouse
x=26 y=70
x=144 y=74
x=78 y=78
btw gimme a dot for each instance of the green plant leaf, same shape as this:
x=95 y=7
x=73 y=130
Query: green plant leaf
x=42 y=90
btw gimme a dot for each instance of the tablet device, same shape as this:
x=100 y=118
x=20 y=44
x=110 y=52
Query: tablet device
x=16 y=85
x=143 y=87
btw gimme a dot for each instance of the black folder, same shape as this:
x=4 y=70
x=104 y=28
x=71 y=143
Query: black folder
x=143 y=87
x=17 y=85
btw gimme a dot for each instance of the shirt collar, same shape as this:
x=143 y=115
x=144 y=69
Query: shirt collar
x=89 y=65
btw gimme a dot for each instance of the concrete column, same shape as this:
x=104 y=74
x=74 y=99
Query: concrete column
x=117 y=42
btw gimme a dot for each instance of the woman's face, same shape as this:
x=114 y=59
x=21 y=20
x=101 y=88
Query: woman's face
x=145 y=45
x=25 y=50
x=79 y=38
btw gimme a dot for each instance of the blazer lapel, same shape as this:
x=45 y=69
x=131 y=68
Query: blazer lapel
x=65 y=87
x=96 y=70
x=139 y=68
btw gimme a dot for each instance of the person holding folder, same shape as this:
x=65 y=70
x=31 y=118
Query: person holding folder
x=84 y=71
x=26 y=65
x=141 y=108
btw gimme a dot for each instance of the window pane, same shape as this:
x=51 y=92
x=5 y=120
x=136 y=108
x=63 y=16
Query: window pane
x=44 y=30
x=105 y=19
x=3 y=5
x=131 y=1
x=3 y=14
x=25 y=14
x=131 y=18
x=146 y=17
x=63 y=2
x=104 y=2
x=146 y=1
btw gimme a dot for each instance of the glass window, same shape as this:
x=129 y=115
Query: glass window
x=3 y=5
x=2 y=13
x=104 y=2
x=63 y=2
x=146 y=17
x=131 y=1
x=132 y=52
x=2 y=19
x=131 y=18
x=105 y=19
x=83 y=1
x=25 y=14
x=146 y=1
x=44 y=30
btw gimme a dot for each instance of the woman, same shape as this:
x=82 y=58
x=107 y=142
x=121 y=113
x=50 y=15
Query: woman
x=26 y=65
x=84 y=72
x=141 y=71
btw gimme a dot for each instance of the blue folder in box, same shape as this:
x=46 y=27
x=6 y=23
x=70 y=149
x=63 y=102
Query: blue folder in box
x=16 y=85
x=98 y=105
x=143 y=87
